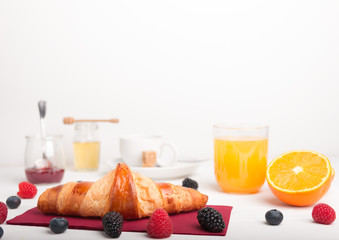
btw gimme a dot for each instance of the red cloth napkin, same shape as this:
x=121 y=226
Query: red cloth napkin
x=183 y=223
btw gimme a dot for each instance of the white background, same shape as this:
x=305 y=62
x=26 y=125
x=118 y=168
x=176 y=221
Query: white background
x=171 y=67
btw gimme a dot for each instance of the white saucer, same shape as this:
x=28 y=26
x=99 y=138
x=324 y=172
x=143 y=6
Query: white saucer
x=180 y=169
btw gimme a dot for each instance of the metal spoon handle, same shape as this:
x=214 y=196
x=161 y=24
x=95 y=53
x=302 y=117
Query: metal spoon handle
x=42 y=108
x=42 y=111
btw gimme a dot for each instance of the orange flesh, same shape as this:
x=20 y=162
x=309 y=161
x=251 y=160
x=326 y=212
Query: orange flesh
x=300 y=178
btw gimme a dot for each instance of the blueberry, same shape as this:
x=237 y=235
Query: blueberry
x=274 y=217
x=13 y=202
x=1 y=232
x=58 y=224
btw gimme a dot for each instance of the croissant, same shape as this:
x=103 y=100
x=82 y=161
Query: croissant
x=121 y=190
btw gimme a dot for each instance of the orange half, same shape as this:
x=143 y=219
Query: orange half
x=300 y=178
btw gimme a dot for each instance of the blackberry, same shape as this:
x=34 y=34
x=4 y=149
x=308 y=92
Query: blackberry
x=274 y=217
x=211 y=220
x=190 y=183
x=112 y=222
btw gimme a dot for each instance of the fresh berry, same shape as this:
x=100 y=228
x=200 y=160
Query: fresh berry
x=274 y=217
x=211 y=220
x=58 y=224
x=3 y=212
x=13 y=202
x=159 y=225
x=190 y=183
x=113 y=222
x=323 y=213
x=1 y=232
x=27 y=190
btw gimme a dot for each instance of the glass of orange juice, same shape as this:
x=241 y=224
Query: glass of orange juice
x=240 y=157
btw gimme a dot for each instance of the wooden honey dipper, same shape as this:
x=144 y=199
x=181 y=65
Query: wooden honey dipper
x=70 y=120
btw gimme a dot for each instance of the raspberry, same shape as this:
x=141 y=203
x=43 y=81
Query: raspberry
x=3 y=212
x=159 y=224
x=27 y=190
x=323 y=214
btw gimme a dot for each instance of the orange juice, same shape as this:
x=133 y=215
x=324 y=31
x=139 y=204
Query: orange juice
x=240 y=163
x=86 y=155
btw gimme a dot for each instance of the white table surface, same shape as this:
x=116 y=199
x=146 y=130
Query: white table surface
x=247 y=218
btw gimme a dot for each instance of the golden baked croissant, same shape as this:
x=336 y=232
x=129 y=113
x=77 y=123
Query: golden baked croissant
x=121 y=190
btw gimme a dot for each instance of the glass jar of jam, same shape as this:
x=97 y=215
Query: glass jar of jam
x=44 y=159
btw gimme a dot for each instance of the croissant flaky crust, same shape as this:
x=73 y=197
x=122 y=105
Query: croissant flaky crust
x=121 y=190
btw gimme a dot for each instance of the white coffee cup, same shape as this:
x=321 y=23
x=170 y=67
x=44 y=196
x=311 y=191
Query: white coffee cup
x=132 y=146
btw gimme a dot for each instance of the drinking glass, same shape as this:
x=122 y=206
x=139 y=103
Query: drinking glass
x=240 y=157
x=44 y=159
